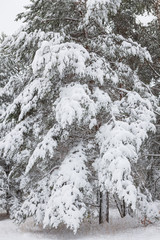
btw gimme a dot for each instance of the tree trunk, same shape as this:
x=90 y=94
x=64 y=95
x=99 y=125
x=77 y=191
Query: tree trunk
x=103 y=207
x=100 y=208
x=107 y=207
x=120 y=205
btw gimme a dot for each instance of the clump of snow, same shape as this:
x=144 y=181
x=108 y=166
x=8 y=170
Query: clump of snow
x=73 y=104
x=61 y=56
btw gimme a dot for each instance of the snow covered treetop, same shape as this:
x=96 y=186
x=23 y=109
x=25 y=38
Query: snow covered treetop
x=100 y=10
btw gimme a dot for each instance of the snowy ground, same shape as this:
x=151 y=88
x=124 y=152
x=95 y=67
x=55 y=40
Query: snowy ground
x=118 y=229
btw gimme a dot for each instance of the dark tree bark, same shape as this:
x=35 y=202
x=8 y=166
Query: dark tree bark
x=107 y=207
x=120 y=205
x=100 y=208
x=103 y=207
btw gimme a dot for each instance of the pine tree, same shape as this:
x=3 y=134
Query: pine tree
x=78 y=114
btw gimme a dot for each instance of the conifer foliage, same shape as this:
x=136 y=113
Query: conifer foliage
x=74 y=113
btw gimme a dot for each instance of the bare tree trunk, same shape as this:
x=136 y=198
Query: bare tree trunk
x=107 y=207
x=100 y=208
x=103 y=207
x=130 y=211
x=120 y=205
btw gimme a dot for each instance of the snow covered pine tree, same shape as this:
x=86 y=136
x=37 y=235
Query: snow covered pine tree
x=76 y=114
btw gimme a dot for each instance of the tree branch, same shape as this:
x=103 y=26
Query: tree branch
x=157 y=113
x=156 y=142
x=154 y=70
x=152 y=155
x=56 y=18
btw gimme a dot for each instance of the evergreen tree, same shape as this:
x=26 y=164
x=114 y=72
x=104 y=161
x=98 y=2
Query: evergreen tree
x=78 y=114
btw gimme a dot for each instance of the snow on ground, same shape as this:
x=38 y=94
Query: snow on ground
x=118 y=229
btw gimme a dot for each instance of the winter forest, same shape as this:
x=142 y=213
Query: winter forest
x=80 y=113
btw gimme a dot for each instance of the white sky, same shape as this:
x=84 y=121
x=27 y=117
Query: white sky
x=8 y=11
x=145 y=19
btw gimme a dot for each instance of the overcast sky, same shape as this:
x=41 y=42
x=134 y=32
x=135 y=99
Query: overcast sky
x=8 y=11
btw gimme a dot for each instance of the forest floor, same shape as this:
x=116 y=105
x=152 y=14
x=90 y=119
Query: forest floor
x=117 y=229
